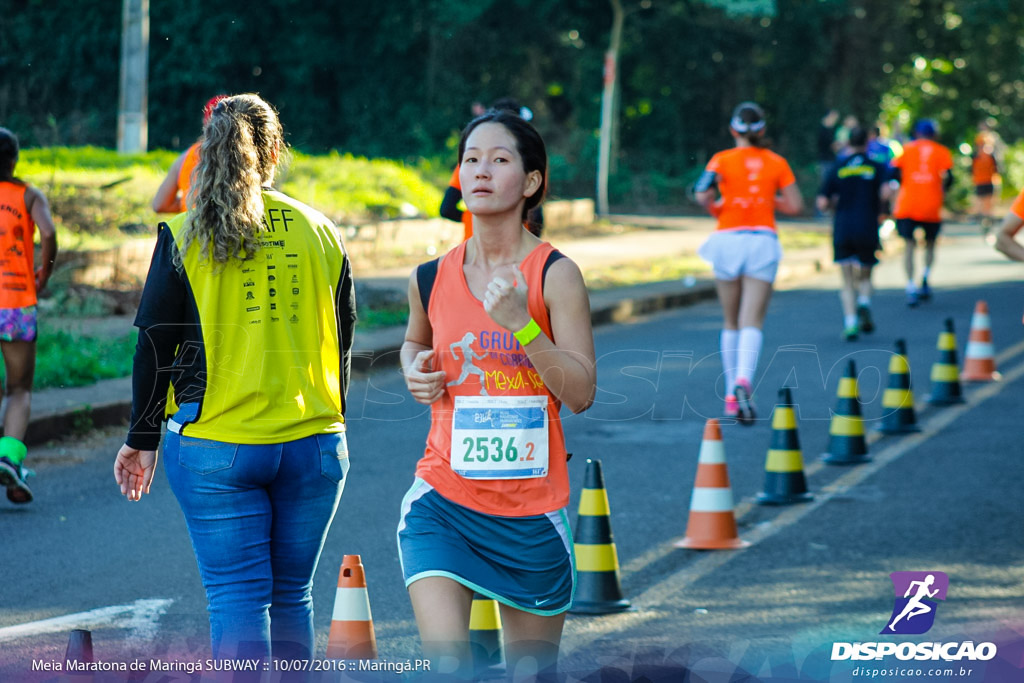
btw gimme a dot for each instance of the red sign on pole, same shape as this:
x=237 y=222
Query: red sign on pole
x=609 y=68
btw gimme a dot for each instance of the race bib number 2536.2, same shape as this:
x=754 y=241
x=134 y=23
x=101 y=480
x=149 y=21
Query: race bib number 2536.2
x=500 y=437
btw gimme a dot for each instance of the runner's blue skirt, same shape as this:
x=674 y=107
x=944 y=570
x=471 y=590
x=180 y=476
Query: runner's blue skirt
x=523 y=562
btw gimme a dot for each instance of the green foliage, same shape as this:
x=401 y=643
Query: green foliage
x=396 y=79
x=67 y=359
x=351 y=189
x=97 y=192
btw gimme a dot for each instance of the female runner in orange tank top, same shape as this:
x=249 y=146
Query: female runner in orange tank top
x=502 y=172
x=22 y=210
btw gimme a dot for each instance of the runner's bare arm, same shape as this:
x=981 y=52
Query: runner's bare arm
x=40 y=210
x=166 y=198
x=790 y=202
x=1005 y=241
x=567 y=363
x=417 y=354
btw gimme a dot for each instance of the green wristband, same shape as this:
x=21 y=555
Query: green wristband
x=530 y=331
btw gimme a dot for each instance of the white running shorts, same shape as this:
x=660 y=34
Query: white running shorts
x=742 y=253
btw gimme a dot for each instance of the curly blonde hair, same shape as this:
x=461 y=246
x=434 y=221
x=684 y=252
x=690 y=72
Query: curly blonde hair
x=241 y=147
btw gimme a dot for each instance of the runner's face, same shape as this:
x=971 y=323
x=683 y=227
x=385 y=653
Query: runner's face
x=492 y=176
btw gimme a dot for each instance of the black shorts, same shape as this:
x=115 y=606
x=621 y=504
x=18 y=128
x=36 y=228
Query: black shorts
x=984 y=190
x=859 y=248
x=905 y=228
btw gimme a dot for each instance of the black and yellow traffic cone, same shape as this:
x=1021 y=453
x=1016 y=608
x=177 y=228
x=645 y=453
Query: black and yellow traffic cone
x=598 y=590
x=847 y=445
x=784 y=481
x=485 y=635
x=898 y=415
x=946 y=389
x=79 y=652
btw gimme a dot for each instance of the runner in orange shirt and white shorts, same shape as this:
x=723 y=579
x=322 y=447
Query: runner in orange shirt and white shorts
x=750 y=183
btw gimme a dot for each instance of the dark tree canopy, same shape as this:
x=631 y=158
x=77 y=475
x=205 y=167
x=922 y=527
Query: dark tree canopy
x=396 y=78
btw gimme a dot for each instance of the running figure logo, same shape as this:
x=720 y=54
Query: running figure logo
x=468 y=356
x=914 y=612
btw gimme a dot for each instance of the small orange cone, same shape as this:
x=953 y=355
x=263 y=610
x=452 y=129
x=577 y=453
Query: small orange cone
x=979 y=359
x=712 y=523
x=351 y=635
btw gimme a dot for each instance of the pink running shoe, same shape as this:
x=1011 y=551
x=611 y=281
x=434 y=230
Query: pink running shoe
x=732 y=408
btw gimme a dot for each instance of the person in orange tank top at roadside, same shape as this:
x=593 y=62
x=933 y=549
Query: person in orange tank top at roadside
x=499 y=338
x=22 y=210
x=984 y=173
x=924 y=172
x=172 y=194
x=743 y=187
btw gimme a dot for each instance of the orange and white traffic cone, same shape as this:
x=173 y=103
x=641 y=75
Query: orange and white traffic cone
x=712 y=522
x=979 y=359
x=351 y=635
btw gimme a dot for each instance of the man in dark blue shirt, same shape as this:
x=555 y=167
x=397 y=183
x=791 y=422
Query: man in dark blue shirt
x=855 y=187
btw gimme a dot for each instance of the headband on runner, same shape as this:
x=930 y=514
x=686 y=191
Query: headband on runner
x=741 y=127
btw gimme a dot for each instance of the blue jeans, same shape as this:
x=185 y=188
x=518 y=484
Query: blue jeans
x=258 y=516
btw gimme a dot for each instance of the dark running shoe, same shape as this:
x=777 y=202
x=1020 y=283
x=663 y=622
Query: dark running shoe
x=864 y=321
x=912 y=298
x=924 y=293
x=851 y=333
x=746 y=415
x=13 y=477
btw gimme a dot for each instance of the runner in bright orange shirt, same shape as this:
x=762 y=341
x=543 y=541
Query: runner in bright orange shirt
x=171 y=195
x=984 y=169
x=751 y=182
x=924 y=172
x=22 y=209
x=1012 y=223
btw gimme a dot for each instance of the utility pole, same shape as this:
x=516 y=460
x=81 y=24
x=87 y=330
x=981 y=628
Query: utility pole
x=611 y=59
x=132 y=126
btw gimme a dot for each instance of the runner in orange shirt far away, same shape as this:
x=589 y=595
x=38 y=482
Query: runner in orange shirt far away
x=924 y=172
x=170 y=196
x=984 y=173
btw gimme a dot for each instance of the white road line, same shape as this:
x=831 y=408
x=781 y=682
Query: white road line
x=140 y=618
x=582 y=632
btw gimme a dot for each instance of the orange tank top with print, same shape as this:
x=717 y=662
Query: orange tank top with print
x=748 y=180
x=17 y=266
x=481 y=358
x=188 y=165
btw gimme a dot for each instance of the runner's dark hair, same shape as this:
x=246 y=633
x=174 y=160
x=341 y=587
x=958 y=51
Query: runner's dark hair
x=8 y=156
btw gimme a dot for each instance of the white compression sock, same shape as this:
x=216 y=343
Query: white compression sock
x=751 y=339
x=729 y=344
